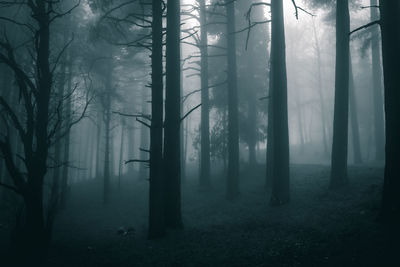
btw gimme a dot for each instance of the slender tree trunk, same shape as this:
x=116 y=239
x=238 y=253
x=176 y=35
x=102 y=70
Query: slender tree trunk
x=205 y=108
x=233 y=116
x=98 y=144
x=131 y=151
x=55 y=187
x=390 y=28
x=157 y=182
x=354 y=119
x=379 y=130
x=121 y=154
x=107 y=131
x=144 y=141
x=280 y=171
x=106 y=172
x=66 y=149
x=341 y=107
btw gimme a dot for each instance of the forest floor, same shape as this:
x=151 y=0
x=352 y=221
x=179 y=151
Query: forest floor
x=318 y=228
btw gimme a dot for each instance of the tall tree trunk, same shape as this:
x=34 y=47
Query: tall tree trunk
x=157 y=182
x=205 y=108
x=233 y=105
x=379 y=130
x=55 y=187
x=66 y=149
x=144 y=141
x=390 y=28
x=98 y=143
x=121 y=154
x=354 y=118
x=280 y=171
x=341 y=107
x=172 y=150
x=107 y=131
x=131 y=150
x=106 y=172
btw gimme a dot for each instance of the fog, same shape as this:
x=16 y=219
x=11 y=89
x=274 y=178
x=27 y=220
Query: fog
x=199 y=132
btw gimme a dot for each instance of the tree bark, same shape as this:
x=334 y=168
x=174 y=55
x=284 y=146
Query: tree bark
x=338 y=177
x=280 y=132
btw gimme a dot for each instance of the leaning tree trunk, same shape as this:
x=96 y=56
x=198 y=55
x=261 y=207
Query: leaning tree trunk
x=338 y=176
x=355 y=133
x=280 y=132
x=205 y=107
x=390 y=28
x=379 y=131
x=233 y=116
x=157 y=183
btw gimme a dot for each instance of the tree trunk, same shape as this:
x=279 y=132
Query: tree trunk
x=379 y=130
x=173 y=118
x=157 y=183
x=205 y=108
x=98 y=144
x=233 y=117
x=341 y=107
x=65 y=170
x=121 y=154
x=354 y=119
x=280 y=171
x=390 y=28
x=106 y=172
x=144 y=141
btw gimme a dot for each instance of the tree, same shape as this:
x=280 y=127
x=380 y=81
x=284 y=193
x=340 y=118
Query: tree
x=377 y=87
x=157 y=182
x=354 y=118
x=172 y=164
x=280 y=132
x=390 y=30
x=39 y=124
x=205 y=108
x=233 y=116
x=338 y=176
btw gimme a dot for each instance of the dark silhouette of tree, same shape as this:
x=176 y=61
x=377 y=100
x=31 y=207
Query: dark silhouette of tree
x=390 y=29
x=38 y=128
x=280 y=133
x=172 y=164
x=157 y=180
x=341 y=107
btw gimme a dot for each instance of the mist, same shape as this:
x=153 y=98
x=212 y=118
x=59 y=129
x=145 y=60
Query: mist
x=199 y=133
